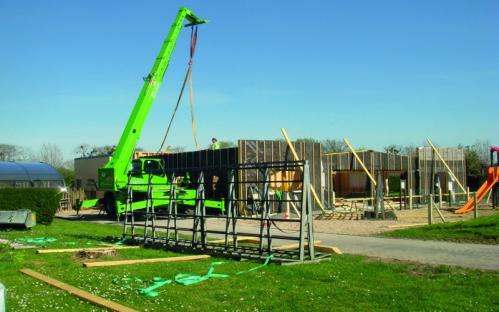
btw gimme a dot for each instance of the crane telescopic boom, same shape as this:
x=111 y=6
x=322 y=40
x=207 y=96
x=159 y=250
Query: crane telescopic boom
x=113 y=175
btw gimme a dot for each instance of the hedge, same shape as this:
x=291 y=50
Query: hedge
x=40 y=200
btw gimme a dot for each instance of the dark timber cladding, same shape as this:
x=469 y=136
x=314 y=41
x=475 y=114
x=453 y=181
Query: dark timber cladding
x=216 y=162
x=212 y=162
x=258 y=151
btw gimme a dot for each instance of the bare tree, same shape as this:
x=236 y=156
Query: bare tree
x=85 y=150
x=9 y=152
x=333 y=146
x=482 y=148
x=393 y=149
x=51 y=154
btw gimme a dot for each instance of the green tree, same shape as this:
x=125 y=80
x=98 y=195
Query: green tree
x=69 y=175
x=475 y=166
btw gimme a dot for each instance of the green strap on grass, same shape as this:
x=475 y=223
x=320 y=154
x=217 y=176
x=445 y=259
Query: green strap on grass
x=182 y=279
x=36 y=240
x=191 y=279
x=267 y=260
x=151 y=290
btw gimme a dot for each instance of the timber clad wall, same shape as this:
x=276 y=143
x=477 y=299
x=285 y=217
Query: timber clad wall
x=211 y=162
x=257 y=151
x=454 y=157
x=335 y=172
x=216 y=162
x=345 y=176
x=372 y=160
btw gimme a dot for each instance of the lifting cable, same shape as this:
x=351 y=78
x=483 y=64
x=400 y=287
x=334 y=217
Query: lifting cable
x=188 y=77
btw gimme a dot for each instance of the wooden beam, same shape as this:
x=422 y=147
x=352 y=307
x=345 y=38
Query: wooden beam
x=446 y=166
x=139 y=261
x=222 y=240
x=295 y=155
x=46 y=251
x=360 y=161
x=317 y=247
x=113 y=306
x=292 y=246
x=439 y=212
x=328 y=249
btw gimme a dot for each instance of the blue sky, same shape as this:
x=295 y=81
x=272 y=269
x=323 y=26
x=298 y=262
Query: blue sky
x=377 y=72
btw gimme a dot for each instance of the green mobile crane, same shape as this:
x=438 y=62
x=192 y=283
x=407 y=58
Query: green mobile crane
x=115 y=175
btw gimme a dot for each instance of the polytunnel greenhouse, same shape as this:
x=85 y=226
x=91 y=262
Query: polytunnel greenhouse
x=29 y=174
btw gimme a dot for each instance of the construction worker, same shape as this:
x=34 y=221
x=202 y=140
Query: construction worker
x=214 y=144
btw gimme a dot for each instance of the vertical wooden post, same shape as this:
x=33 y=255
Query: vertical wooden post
x=410 y=198
x=475 y=205
x=440 y=199
x=430 y=208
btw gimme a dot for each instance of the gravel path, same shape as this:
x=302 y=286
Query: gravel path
x=474 y=256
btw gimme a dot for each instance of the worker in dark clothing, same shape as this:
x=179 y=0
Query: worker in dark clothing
x=214 y=144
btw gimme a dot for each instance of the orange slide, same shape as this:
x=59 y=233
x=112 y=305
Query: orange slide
x=493 y=178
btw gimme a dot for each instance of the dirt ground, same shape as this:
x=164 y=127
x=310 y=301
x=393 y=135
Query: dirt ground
x=367 y=227
x=404 y=217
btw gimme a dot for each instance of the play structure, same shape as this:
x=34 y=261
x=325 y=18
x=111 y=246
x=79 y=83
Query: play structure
x=490 y=184
x=114 y=176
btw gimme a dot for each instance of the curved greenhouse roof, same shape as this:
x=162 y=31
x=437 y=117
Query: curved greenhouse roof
x=34 y=172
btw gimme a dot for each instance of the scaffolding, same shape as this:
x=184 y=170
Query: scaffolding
x=249 y=228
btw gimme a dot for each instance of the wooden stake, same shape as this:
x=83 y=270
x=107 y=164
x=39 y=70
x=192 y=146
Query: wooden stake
x=138 y=261
x=439 y=213
x=360 y=161
x=430 y=208
x=295 y=155
x=410 y=199
x=475 y=205
x=46 y=251
x=113 y=306
x=446 y=166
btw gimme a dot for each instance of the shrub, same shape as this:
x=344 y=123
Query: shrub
x=42 y=201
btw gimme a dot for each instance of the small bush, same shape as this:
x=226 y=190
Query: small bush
x=42 y=201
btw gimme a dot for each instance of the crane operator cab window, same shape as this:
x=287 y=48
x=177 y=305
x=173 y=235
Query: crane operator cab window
x=146 y=166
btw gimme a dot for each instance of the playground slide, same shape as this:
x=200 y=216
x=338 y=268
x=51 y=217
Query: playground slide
x=493 y=178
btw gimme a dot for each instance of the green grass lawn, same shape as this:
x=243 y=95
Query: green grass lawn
x=346 y=283
x=480 y=230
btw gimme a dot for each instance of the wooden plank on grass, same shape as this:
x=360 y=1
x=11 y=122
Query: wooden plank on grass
x=113 y=306
x=46 y=251
x=292 y=246
x=139 y=261
x=328 y=249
